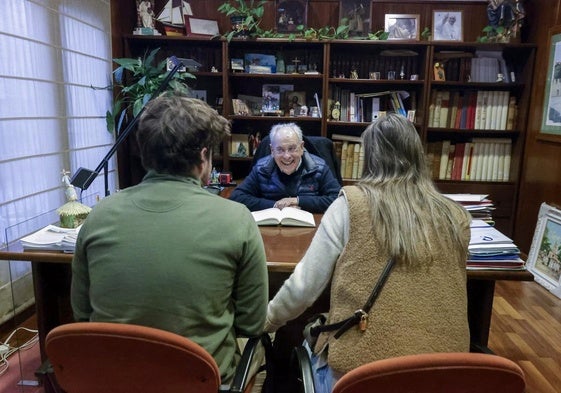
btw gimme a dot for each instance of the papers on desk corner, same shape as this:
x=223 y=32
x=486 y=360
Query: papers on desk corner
x=52 y=238
x=490 y=249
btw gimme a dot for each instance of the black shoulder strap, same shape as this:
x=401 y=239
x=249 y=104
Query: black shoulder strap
x=346 y=324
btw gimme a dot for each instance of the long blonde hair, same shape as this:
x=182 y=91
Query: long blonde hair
x=406 y=208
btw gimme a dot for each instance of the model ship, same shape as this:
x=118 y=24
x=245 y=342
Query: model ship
x=172 y=16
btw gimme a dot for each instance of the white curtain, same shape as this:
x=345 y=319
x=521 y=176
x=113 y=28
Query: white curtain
x=52 y=53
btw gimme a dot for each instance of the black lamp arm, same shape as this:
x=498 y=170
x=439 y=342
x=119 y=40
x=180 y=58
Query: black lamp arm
x=84 y=177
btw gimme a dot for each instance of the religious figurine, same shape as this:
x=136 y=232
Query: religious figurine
x=146 y=13
x=508 y=14
x=72 y=214
x=145 y=18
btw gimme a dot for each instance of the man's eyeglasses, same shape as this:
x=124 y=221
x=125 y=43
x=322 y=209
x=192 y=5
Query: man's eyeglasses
x=279 y=151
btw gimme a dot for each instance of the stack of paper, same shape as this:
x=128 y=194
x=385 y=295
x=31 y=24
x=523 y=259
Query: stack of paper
x=52 y=238
x=491 y=249
x=478 y=205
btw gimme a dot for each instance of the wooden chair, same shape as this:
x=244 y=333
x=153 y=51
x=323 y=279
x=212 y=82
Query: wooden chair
x=435 y=373
x=93 y=357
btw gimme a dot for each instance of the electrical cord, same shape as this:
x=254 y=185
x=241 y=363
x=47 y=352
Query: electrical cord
x=6 y=350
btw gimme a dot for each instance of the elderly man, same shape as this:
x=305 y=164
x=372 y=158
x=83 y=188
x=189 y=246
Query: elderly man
x=290 y=176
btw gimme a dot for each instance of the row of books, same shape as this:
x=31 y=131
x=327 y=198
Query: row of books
x=365 y=107
x=481 y=159
x=350 y=153
x=482 y=109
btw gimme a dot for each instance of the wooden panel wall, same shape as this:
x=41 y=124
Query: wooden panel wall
x=541 y=172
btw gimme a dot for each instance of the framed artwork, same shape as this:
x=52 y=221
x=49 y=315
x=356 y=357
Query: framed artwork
x=402 y=26
x=544 y=259
x=358 y=14
x=551 y=118
x=295 y=100
x=201 y=27
x=447 y=26
x=290 y=14
x=239 y=145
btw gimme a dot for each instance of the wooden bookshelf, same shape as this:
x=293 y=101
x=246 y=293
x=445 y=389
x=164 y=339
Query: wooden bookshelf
x=343 y=67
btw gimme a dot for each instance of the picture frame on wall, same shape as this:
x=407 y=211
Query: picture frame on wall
x=201 y=27
x=551 y=118
x=447 y=26
x=358 y=14
x=290 y=14
x=544 y=259
x=402 y=26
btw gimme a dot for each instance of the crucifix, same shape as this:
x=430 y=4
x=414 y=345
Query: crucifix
x=296 y=61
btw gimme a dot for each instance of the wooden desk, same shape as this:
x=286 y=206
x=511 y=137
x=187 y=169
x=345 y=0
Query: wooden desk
x=284 y=247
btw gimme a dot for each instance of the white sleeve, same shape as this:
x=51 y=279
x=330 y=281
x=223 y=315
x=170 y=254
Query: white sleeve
x=313 y=273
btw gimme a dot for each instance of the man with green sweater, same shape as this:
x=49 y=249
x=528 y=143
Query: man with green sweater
x=168 y=254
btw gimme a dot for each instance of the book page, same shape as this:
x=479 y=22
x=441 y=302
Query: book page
x=270 y=216
x=297 y=217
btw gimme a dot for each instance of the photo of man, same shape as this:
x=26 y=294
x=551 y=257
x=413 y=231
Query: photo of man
x=447 y=26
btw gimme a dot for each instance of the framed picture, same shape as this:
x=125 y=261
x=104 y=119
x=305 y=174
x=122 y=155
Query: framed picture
x=291 y=13
x=358 y=14
x=239 y=145
x=551 y=118
x=447 y=26
x=294 y=100
x=272 y=97
x=201 y=27
x=544 y=259
x=402 y=26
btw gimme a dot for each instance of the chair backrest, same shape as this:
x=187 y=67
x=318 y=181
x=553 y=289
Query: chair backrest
x=435 y=373
x=317 y=145
x=93 y=357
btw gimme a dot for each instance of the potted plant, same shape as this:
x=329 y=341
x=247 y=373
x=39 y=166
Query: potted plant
x=137 y=80
x=245 y=17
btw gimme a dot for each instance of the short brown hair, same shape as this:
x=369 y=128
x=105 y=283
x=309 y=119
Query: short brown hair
x=173 y=129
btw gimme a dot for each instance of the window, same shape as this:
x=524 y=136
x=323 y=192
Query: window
x=51 y=118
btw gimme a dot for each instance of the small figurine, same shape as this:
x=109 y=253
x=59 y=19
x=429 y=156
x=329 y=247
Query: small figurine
x=213 y=69
x=354 y=74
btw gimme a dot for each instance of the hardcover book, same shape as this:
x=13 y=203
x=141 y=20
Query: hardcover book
x=289 y=216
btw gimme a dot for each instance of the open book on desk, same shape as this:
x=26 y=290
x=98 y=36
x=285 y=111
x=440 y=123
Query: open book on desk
x=289 y=216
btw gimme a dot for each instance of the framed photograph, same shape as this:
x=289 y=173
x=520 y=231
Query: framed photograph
x=402 y=26
x=358 y=14
x=239 y=145
x=259 y=63
x=544 y=259
x=291 y=13
x=294 y=100
x=201 y=27
x=272 y=97
x=551 y=118
x=447 y=26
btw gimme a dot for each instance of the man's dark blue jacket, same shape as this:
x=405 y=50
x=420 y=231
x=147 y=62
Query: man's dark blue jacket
x=313 y=183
